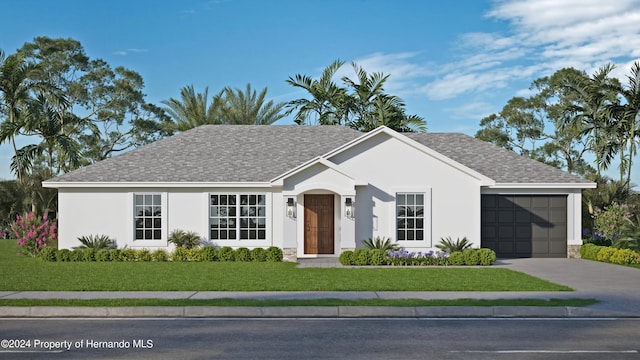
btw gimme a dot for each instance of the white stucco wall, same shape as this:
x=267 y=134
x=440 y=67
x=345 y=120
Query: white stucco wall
x=110 y=211
x=392 y=166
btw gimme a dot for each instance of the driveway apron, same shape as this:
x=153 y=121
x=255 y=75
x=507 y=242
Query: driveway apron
x=617 y=286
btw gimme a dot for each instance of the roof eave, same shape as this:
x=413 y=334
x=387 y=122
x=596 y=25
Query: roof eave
x=178 y=184
x=584 y=185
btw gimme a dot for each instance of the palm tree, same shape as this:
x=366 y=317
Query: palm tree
x=627 y=117
x=16 y=87
x=327 y=106
x=62 y=153
x=249 y=108
x=372 y=107
x=193 y=110
x=595 y=95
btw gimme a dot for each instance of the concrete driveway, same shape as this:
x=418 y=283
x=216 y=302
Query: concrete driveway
x=618 y=287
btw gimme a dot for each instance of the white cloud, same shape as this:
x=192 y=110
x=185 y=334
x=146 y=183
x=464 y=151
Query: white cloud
x=471 y=111
x=544 y=36
x=132 y=50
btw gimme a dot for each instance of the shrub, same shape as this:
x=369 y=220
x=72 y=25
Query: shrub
x=96 y=242
x=243 y=254
x=274 y=254
x=258 y=255
x=624 y=257
x=114 y=255
x=88 y=254
x=605 y=254
x=48 y=254
x=63 y=255
x=75 y=255
x=102 y=255
x=378 y=257
x=456 y=258
x=128 y=254
x=486 y=257
x=180 y=254
x=226 y=253
x=209 y=253
x=361 y=257
x=184 y=239
x=471 y=257
x=381 y=243
x=159 y=255
x=34 y=233
x=448 y=245
x=195 y=254
x=143 y=255
x=608 y=222
x=346 y=257
x=590 y=251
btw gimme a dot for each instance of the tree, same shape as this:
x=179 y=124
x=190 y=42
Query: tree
x=193 y=109
x=362 y=104
x=105 y=112
x=16 y=88
x=371 y=107
x=248 y=108
x=627 y=120
x=545 y=126
x=328 y=101
x=593 y=95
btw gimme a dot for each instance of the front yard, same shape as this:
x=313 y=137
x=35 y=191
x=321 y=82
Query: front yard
x=30 y=274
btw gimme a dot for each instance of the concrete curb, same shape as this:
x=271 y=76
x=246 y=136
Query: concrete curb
x=306 y=312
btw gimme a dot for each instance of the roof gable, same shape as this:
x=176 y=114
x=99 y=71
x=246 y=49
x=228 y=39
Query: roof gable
x=502 y=165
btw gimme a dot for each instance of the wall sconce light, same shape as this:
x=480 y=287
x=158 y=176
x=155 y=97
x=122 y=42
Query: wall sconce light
x=348 y=207
x=291 y=208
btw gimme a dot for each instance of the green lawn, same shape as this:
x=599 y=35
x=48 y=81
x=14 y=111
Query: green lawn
x=297 y=302
x=30 y=274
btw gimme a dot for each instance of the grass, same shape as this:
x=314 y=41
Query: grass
x=31 y=274
x=298 y=302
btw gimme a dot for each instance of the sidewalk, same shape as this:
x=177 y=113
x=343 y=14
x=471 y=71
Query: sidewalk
x=615 y=286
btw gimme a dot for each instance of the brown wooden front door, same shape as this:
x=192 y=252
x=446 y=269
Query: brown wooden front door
x=318 y=224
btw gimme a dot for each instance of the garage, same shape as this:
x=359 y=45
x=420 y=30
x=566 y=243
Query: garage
x=519 y=226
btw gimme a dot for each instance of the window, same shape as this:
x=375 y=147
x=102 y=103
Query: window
x=253 y=217
x=410 y=216
x=238 y=217
x=148 y=217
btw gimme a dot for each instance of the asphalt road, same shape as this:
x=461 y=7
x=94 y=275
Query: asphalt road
x=320 y=338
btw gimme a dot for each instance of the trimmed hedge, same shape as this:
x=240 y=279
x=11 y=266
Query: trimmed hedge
x=377 y=257
x=609 y=254
x=179 y=254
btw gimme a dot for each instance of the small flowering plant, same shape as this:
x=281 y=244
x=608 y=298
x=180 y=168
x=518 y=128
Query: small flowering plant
x=34 y=233
x=403 y=257
x=608 y=222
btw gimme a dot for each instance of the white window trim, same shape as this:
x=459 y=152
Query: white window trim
x=164 y=220
x=238 y=242
x=427 y=240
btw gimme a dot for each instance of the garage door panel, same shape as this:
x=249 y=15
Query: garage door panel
x=522 y=232
x=505 y=232
x=505 y=217
x=540 y=247
x=505 y=247
x=525 y=225
x=504 y=202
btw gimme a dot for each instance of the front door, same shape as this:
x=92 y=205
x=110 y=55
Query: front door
x=318 y=224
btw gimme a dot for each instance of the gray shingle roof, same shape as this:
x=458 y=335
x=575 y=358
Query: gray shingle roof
x=501 y=165
x=218 y=153
x=248 y=153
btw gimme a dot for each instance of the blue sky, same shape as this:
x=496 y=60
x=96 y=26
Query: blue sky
x=453 y=62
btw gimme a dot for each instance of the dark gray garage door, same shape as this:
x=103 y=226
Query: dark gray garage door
x=525 y=226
